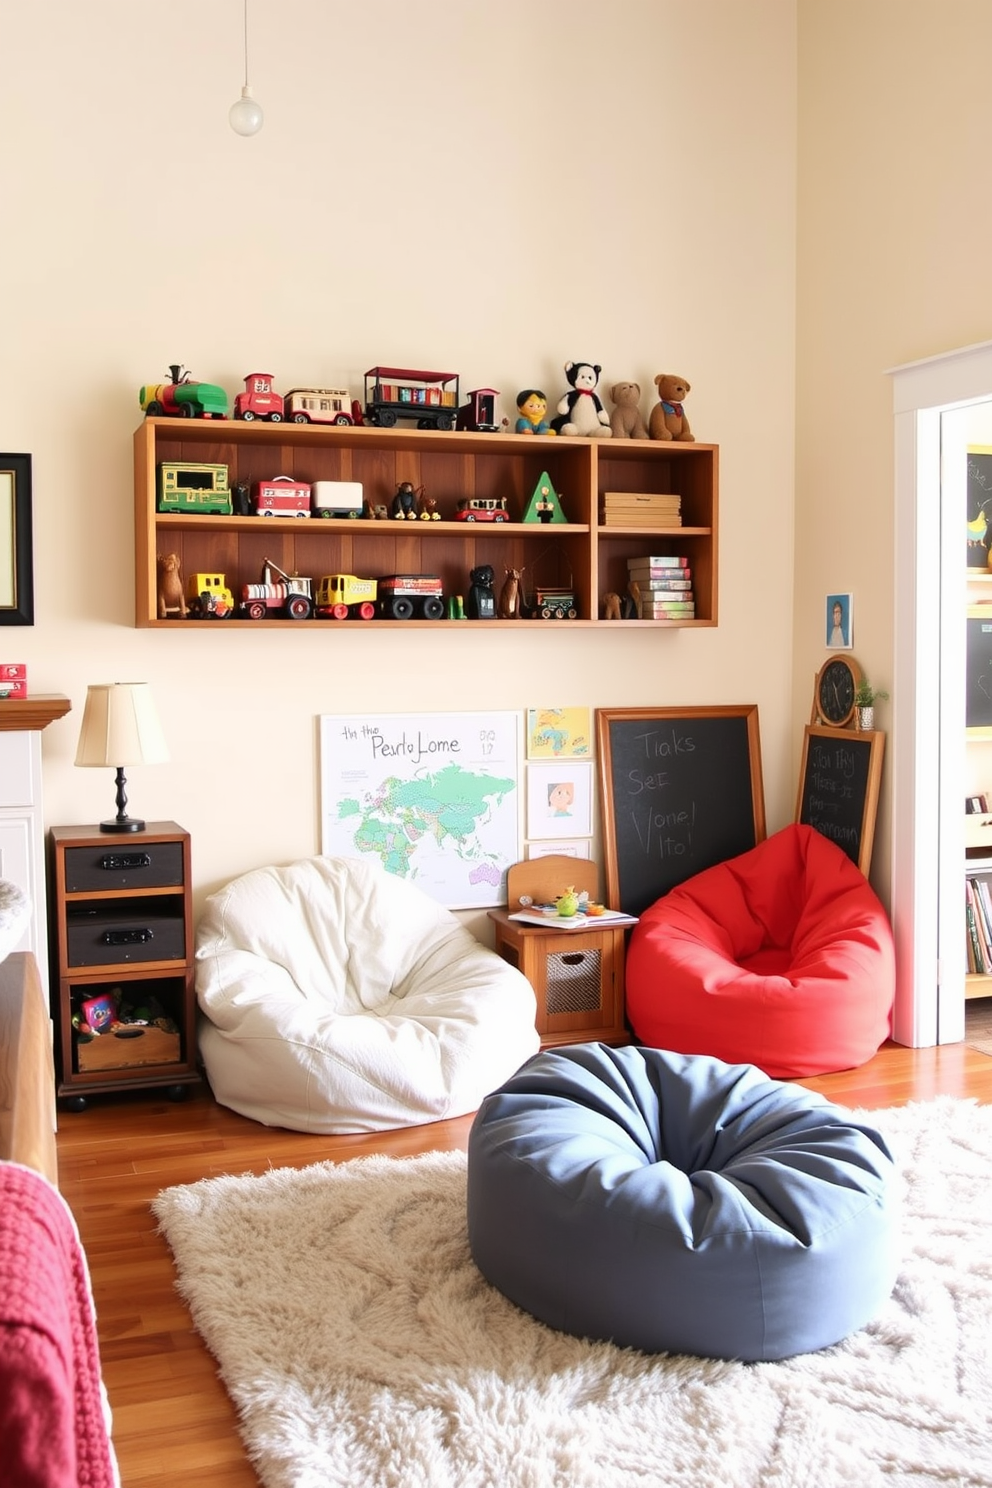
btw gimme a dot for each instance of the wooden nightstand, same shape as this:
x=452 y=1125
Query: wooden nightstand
x=577 y=975
x=122 y=924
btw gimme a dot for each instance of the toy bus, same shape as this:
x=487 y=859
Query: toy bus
x=182 y=398
x=282 y=496
x=482 y=509
x=259 y=401
x=184 y=486
x=208 y=596
x=319 y=406
x=332 y=498
x=343 y=596
x=479 y=413
x=402 y=596
x=403 y=392
x=284 y=594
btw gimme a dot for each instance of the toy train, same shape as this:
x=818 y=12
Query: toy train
x=391 y=393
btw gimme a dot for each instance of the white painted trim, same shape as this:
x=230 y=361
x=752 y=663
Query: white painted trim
x=927 y=849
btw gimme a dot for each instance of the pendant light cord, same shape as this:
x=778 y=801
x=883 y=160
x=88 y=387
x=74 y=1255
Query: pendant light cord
x=246 y=41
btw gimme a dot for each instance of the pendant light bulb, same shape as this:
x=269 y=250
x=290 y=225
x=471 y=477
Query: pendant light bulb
x=246 y=115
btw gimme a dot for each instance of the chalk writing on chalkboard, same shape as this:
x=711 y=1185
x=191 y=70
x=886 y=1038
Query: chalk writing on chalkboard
x=838 y=787
x=680 y=790
x=978 y=667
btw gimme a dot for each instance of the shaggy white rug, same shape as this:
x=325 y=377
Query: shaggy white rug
x=363 y=1348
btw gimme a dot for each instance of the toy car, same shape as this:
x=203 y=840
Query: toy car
x=402 y=392
x=287 y=594
x=208 y=596
x=182 y=398
x=402 y=596
x=482 y=509
x=258 y=401
x=282 y=497
x=554 y=604
x=343 y=596
x=319 y=406
x=185 y=486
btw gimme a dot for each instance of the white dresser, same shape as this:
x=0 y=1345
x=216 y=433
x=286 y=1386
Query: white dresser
x=22 y=827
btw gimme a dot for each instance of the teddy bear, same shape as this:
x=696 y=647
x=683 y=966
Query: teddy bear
x=579 y=410
x=668 y=420
x=170 y=587
x=625 y=420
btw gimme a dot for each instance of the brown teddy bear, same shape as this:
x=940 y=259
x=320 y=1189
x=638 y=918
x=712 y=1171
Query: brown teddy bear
x=170 y=587
x=625 y=420
x=668 y=420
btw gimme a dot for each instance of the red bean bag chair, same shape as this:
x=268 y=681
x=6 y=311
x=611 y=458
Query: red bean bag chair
x=782 y=957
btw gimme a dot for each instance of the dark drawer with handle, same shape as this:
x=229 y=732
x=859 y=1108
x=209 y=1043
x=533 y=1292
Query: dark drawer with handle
x=152 y=865
x=123 y=939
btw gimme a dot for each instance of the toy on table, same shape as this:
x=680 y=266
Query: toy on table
x=532 y=412
x=668 y=420
x=481 y=603
x=580 y=410
x=259 y=401
x=182 y=398
x=626 y=420
x=171 y=599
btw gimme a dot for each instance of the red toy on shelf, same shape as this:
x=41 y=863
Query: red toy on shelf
x=258 y=401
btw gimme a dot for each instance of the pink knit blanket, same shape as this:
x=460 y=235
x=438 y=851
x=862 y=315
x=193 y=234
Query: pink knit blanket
x=54 y=1420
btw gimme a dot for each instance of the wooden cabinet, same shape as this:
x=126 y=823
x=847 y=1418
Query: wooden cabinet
x=577 y=976
x=122 y=928
x=583 y=555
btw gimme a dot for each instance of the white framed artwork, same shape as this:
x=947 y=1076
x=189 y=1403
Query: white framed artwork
x=553 y=848
x=559 y=799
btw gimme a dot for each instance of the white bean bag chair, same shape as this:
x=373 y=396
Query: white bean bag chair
x=337 y=997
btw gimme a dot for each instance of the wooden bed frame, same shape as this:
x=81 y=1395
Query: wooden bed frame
x=27 y=1072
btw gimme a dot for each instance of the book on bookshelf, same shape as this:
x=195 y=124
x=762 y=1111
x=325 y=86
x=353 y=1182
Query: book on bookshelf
x=663 y=586
x=666 y=612
x=659 y=562
x=551 y=920
x=642 y=500
x=975 y=945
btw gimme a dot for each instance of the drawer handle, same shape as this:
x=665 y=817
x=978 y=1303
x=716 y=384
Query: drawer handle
x=116 y=861
x=126 y=937
x=573 y=958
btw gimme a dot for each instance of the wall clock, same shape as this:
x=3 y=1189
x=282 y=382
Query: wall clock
x=836 y=684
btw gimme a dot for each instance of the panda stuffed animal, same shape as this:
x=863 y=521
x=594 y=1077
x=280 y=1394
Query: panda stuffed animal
x=580 y=411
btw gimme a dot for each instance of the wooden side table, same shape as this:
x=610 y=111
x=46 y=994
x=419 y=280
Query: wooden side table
x=577 y=976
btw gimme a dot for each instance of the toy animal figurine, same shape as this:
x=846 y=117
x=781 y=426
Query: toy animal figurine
x=625 y=420
x=611 y=606
x=171 y=599
x=481 y=603
x=405 y=501
x=579 y=410
x=427 y=507
x=668 y=420
x=532 y=412
x=241 y=498
x=509 y=596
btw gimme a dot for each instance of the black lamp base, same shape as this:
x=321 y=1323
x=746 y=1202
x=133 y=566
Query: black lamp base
x=122 y=822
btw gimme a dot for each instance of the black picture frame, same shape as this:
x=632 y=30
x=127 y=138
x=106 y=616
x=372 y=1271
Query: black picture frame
x=16 y=544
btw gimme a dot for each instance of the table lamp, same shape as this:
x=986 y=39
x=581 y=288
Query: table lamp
x=121 y=727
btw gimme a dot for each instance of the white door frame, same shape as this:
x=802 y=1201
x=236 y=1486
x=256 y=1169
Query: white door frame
x=928 y=692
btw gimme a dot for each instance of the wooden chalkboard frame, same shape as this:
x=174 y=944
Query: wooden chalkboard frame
x=862 y=809
x=608 y=719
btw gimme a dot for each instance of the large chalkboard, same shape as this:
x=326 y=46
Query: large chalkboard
x=978 y=668
x=680 y=790
x=838 y=787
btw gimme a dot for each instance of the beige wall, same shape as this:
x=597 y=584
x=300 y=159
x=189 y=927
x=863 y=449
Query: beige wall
x=895 y=227
x=499 y=189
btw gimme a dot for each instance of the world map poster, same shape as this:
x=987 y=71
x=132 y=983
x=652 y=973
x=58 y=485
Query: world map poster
x=435 y=797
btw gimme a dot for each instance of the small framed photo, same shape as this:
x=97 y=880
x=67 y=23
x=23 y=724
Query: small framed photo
x=840 y=622
x=16 y=558
x=559 y=799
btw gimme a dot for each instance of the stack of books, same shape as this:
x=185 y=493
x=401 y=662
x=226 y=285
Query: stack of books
x=978 y=922
x=662 y=586
x=641 y=509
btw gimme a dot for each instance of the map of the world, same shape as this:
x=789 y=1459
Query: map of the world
x=434 y=797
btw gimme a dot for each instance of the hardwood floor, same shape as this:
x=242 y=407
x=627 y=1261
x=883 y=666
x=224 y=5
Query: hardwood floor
x=173 y=1421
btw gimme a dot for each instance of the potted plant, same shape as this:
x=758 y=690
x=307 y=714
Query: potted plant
x=865 y=697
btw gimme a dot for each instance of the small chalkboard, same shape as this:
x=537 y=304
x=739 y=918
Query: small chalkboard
x=680 y=790
x=978 y=667
x=838 y=787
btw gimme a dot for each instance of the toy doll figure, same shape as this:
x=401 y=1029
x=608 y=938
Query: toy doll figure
x=532 y=408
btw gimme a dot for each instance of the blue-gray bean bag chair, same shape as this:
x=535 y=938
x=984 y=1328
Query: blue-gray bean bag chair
x=674 y=1203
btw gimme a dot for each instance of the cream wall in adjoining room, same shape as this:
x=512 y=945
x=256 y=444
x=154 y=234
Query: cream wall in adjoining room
x=894 y=226
x=499 y=189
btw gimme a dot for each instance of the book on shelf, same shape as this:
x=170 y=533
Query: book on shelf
x=641 y=501
x=976 y=956
x=666 y=612
x=660 y=560
x=663 y=586
x=983 y=903
x=643 y=523
x=550 y=919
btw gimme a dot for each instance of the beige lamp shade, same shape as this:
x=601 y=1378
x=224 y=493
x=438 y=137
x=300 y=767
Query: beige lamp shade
x=120 y=727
